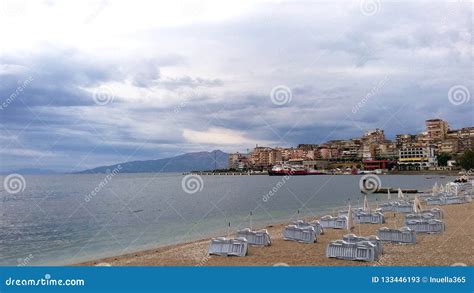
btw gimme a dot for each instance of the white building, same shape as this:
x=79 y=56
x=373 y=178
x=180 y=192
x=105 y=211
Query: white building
x=416 y=158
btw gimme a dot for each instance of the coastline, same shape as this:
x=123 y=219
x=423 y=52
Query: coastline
x=453 y=246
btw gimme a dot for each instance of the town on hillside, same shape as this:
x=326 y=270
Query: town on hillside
x=438 y=148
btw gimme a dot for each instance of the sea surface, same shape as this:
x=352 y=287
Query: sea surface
x=66 y=219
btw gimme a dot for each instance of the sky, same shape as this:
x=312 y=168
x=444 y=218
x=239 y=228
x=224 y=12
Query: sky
x=91 y=83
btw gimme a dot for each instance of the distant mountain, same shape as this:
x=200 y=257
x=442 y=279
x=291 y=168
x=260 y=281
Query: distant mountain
x=32 y=171
x=199 y=161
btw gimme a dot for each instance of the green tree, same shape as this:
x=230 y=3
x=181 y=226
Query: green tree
x=467 y=160
x=443 y=159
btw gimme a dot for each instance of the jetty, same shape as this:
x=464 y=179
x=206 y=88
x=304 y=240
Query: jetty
x=392 y=190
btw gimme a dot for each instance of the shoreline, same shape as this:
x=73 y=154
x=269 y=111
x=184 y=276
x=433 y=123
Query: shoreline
x=450 y=247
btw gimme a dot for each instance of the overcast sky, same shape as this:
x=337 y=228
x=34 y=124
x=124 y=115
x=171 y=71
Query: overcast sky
x=88 y=83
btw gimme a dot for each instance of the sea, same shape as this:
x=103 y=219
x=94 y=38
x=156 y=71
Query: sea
x=67 y=219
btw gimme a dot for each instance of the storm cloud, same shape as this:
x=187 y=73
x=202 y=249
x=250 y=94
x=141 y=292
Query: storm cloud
x=88 y=84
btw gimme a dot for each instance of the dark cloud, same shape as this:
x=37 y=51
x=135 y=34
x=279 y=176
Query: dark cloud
x=208 y=75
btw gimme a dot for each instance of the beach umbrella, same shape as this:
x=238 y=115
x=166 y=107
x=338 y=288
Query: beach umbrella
x=435 y=188
x=366 y=204
x=349 y=219
x=416 y=205
x=441 y=189
x=400 y=194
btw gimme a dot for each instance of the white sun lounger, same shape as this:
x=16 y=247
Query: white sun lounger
x=339 y=222
x=300 y=234
x=402 y=235
x=352 y=238
x=228 y=247
x=369 y=218
x=318 y=228
x=426 y=226
x=363 y=251
x=259 y=238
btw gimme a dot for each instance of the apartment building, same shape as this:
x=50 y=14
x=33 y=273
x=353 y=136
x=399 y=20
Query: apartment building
x=417 y=158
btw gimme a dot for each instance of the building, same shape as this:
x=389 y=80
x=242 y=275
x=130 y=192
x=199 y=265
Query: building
x=436 y=129
x=417 y=158
x=373 y=136
x=405 y=140
x=464 y=137
x=377 y=164
x=368 y=151
x=239 y=161
x=316 y=164
x=450 y=146
x=308 y=147
x=386 y=150
x=264 y=157
x=327 y=152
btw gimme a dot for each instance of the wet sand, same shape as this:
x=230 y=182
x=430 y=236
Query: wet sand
x=455 y=245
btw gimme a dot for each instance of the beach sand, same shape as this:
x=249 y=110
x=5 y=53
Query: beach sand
x=455 y=245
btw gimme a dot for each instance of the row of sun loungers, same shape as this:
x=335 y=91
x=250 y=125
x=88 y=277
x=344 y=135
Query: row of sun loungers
x=361 y=216
x=426 y=226
x=369 y=218
x=445 y=200
x=397 y=206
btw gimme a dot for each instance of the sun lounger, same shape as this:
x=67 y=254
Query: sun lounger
x=300 y=234
x=259 y=238
x=426 y=226
x=339 y=222
x=352 y=238
x=362 y=251
x=369 y=218
x=402 y=235
x=228 y=247
x=315 y=224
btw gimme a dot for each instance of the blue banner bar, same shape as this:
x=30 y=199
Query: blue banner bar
x=237 y=279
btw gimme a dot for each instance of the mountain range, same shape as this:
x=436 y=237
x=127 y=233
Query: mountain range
x=198 y=161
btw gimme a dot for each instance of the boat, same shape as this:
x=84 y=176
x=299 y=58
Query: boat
x=292 y=170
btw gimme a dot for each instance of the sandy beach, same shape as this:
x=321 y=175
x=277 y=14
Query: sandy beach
x=454 y=246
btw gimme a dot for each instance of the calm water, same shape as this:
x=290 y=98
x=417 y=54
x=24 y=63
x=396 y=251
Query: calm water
x=51 y=222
